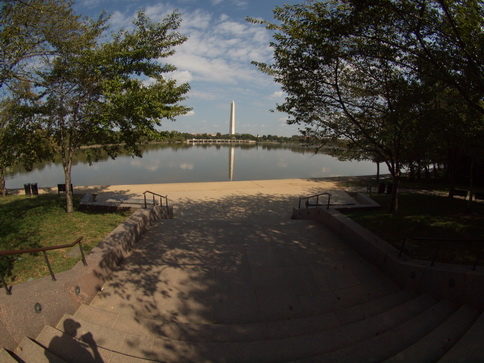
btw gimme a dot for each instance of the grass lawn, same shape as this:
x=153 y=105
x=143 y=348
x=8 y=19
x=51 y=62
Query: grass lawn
x=38 y=221
x=429 y=216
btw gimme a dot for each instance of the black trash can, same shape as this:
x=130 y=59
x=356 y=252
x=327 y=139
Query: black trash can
x=389 y=188
x=35 y=189
x=27 y=190
x=381 y=188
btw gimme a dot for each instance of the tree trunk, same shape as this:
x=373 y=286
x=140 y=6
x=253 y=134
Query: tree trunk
x=411 y=173
x=471 y=185
x=394 y=201
x=3 y=190
x=452 y=183
x=68 y=181
x=394 y=168
x=452 y=175
x=427 y=171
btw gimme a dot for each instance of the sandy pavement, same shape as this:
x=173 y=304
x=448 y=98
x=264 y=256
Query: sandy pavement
x=213 y=190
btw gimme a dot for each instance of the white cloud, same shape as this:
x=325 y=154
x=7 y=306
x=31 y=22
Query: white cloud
x=224 y=17
x=181 y=76
x=216 y=62
x=148 y=82
x=241 y=3
x=189 y=114
x=91 y=3
x=277 y=94
x=232 y=27
x=217 y=51
x=158 y=11
x=119 y=21
x=221 y=52
x=146 y=163
x=205 y=68
x=196 y=20
x=183 y=166
x=186 y=166
x=203 y=95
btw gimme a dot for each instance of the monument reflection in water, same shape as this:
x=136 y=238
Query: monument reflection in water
x=231 y=162
x=180 y=163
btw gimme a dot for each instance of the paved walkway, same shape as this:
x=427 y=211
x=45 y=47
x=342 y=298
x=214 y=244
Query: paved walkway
x=233 y=255
x=180 y=193
x=234 y=278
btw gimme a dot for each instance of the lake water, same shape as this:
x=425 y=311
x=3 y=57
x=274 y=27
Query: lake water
x=174 y=163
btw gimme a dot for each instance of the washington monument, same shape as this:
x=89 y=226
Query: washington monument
x=232 y=118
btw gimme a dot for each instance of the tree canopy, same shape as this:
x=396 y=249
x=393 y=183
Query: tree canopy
x=367 y=71
x=29 y=29
x=111 y=93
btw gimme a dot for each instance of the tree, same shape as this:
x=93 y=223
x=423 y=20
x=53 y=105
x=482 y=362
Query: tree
x=358 y=70
x=109 y=93
x=27 y=30
x=443 y=42
x=23 y=140
x=446 y=38
x=341 y=86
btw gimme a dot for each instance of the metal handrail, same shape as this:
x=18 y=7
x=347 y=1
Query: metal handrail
x=437 y=249
x=165 y=197
x=317 y=200
x=44 y=251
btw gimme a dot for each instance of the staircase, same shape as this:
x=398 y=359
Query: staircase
x=228 y=280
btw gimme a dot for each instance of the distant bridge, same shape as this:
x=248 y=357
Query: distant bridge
x=219 y=141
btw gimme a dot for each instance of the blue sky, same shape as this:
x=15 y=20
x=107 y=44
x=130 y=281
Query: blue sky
x=215 y=61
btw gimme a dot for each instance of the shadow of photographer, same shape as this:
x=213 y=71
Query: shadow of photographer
x=68 y=346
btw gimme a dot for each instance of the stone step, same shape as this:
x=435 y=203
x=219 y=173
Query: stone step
x=470 y=348
x=6 y=357
x=287 y=348
x=74 y=333
x=434 y=345
x=374 y=307
x=242 y=332
x=386 y=344
x=32 y=352
x=75 y=350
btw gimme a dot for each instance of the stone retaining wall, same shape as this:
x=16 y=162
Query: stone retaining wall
x=455 y=282
x=78 y=285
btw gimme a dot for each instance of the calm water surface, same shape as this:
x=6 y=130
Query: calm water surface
x=196 y=163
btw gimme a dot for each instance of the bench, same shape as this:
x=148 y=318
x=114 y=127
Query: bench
x=381 y=188
x=458 y=192
x=479 y=196
x=62 y=188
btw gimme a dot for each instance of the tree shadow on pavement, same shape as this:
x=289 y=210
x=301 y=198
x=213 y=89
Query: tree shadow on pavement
x=239 y=259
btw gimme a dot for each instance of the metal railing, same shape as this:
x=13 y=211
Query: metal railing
x=162 y=197
x=44 y=251
x=439 y=244
x=316 y=197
